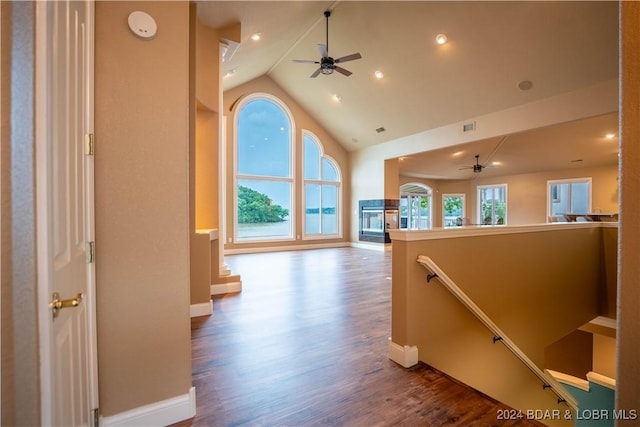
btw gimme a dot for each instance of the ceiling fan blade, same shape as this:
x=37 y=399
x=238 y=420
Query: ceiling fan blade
x=343 y=71
x=305 y=61
x=351 y=57
x=323 y=50
x=315 y=73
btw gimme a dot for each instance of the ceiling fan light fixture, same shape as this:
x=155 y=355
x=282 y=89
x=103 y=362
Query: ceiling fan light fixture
x=327 y=63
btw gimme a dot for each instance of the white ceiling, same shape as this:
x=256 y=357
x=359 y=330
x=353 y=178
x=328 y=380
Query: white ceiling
x=559 y=46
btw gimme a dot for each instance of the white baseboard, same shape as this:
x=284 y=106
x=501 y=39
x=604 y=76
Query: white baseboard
x=225 y=270
x=202 y=309
x=405 y=356
x=382 y=247
x=156 y=414
x=226 y=288
x=237 y=251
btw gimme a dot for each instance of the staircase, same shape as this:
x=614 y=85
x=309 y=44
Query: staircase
x=517 y=291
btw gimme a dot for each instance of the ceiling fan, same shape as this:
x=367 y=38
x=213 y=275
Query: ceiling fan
x=327 y=63
x=477 y=168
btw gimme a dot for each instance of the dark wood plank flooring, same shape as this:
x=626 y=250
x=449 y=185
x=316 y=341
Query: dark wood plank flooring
x=305 y=344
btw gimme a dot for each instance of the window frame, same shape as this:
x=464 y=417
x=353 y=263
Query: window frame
x=550 y=182
x=321 y=182
x=463 y=196
x=409 y=196
x=291 y=179
x=479 y=188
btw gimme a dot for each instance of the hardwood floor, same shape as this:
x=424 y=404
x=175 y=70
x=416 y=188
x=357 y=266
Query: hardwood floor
x=305 y=344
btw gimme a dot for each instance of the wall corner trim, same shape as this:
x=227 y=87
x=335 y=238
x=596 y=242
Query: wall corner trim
x=165 y=412
x=202 y=309
x=405 y=356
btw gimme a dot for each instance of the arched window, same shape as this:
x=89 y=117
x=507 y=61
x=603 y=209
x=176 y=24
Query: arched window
x=264 y=172
x=321 y=191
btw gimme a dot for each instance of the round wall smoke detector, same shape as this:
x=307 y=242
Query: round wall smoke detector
x=142 y=25
x=525 y=85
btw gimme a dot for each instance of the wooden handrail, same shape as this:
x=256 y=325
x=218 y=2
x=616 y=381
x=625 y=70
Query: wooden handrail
x=548 y=381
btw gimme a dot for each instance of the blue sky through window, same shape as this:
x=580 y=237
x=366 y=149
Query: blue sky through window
x=264 y=137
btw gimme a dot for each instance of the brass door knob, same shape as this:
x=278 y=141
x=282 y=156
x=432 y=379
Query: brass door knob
x=57 y=304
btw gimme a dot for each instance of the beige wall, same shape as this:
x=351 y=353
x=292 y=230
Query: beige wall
x=391 y=179
x=20 y=359
x=526 y=193
x=7 y=381
x=604 y=355
x=368 y=166
x=628 y=383
x=142 y=222
x=536 y=286
x=207 y=169
x=572 y=354
x=302 y=121
x=205 y=127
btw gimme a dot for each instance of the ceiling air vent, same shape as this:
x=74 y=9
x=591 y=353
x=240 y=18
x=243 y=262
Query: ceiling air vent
x=380 y=129
x=469 y=127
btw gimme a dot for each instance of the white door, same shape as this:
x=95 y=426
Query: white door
x=64 y=164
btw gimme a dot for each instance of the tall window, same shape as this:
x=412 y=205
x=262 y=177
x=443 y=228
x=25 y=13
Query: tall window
x=569 y=196
x=321 y=191
x=264 y=177
x=415 y=207
x=492 y=204
x=453 y=210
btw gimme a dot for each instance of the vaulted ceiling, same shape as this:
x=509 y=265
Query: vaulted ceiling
x=492 y=48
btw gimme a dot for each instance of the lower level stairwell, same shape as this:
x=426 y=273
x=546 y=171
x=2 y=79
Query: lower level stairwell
x=482 y=306
x=596 y=400
x=584 y=363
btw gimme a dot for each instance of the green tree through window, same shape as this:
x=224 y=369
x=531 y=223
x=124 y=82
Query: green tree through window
x=264 y=178
x=255 y=207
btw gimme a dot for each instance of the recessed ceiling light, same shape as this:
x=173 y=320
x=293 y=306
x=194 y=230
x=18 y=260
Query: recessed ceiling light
x=336 y=97
x=229 y=73
x=255 y=37
x=610 y=135
x=379 y=74
x=458 y=153
x=441 y=38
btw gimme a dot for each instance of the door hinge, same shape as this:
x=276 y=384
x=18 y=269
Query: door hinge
x=91 y=252
x=95 y=418
x=89 y=144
